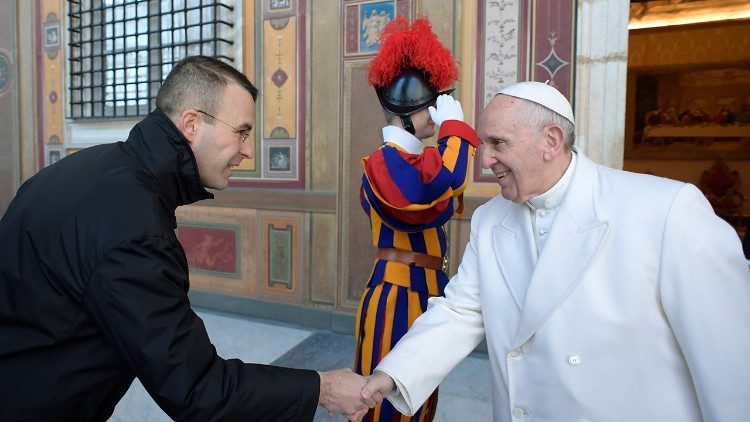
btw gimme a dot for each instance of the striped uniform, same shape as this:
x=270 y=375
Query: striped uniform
x=408 y=197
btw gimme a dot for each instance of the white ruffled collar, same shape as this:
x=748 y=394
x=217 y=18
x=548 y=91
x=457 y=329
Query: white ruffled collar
x=402 y=138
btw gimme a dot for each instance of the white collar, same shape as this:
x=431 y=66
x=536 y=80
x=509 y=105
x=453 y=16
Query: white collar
x=402 y=138
x=554 y=196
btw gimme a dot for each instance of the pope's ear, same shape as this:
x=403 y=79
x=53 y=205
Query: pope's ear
x=189 y=124
x=554 y=141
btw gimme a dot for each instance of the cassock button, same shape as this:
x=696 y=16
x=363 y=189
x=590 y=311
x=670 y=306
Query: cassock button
x=518 y=412
x=574 y=360
x=515 y=353
x=542 y=232
x=543 y=213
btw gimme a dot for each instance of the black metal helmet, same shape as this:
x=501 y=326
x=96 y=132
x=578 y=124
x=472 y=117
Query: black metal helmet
x=410 y=67
x=408 y=93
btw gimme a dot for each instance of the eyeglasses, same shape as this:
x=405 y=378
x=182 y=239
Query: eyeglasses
x=243 y=133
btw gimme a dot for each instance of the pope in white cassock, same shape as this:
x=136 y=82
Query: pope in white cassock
x=603 y=295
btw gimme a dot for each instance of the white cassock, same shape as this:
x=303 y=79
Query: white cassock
x=637 y=308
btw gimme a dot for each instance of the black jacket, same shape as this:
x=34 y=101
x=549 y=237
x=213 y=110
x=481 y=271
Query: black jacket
x=93 y=292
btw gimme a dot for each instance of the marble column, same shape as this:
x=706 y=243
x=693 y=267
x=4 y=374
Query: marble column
x=601 y=74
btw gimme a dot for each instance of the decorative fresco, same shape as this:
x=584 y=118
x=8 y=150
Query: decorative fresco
x=51 y=33
x=50 y=82
x=9 y=104
x=53 y=153
x=553 y=41
x=211 y=248
x=277 y=5
x=279 y=78
x=692 y=114
x=279 y=158
x=501 y=46
x=282 y=258
x=364 y=22
x=372 y=19
x=279 y=131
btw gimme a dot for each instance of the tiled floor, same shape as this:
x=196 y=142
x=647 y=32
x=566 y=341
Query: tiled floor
x=466 y=391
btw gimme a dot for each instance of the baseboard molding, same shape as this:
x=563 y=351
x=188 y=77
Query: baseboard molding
x=321 y=319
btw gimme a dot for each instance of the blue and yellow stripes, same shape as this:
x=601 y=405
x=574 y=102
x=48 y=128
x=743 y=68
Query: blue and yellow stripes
x=408 y=198
x=415 y=191
x=389 y=310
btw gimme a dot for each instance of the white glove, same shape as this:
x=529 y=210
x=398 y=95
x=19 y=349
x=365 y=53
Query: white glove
x=448 y=108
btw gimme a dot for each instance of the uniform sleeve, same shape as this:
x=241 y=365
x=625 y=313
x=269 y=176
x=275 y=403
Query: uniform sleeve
x=138 y=297
x=705 y=292
x=415 y=191
x=439 y=339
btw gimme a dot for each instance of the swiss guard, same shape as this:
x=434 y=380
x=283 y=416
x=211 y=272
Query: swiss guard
x=409 y=191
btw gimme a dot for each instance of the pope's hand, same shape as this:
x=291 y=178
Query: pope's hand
x=378 y=385
x=447 y=108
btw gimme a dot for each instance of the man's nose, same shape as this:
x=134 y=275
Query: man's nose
x=488 y=158
x=248 y=147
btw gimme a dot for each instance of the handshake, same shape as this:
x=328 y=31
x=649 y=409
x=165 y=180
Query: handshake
x=343 y=391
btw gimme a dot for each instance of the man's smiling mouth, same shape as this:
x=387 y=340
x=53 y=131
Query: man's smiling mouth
x=503 y=174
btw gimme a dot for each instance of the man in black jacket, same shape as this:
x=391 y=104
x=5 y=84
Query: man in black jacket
x=94 y=282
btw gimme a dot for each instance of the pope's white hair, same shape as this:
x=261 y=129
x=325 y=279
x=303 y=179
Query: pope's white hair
x=539 y=116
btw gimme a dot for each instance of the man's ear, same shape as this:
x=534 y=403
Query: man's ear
x=554 y=142
x=189 y=124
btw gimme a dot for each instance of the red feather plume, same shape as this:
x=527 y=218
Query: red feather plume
x=403 y=47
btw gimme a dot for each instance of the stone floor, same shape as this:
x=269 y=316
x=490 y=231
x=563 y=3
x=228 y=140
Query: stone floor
x=466 y=391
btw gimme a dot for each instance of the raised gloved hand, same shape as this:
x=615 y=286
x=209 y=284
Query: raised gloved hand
x=447 y=108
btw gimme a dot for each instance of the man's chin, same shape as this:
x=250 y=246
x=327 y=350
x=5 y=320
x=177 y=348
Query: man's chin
x=216 y=185
x=510 y=195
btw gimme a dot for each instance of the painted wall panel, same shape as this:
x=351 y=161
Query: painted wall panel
x=8 y=105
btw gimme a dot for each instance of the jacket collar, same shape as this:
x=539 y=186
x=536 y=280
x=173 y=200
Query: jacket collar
x=574 y=242
x=166 y=154
x=555 y=195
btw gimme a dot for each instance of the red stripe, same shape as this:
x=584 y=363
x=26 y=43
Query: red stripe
x=383 y=184
x=417 y=217
x=429 y=163
x=460 y=129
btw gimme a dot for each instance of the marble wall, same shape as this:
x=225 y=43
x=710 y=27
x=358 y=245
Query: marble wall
x=601 y=56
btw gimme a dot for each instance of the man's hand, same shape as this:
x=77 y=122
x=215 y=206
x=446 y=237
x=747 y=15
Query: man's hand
x=340 y=392
x=447 y=109
x=378 y=385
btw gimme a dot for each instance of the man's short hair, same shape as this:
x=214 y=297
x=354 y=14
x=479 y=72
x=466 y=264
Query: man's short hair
x=198 y=82
x=539 y=116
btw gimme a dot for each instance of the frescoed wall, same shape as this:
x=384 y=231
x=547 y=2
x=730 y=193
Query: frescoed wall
x=289 y=230
x=8 y=103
